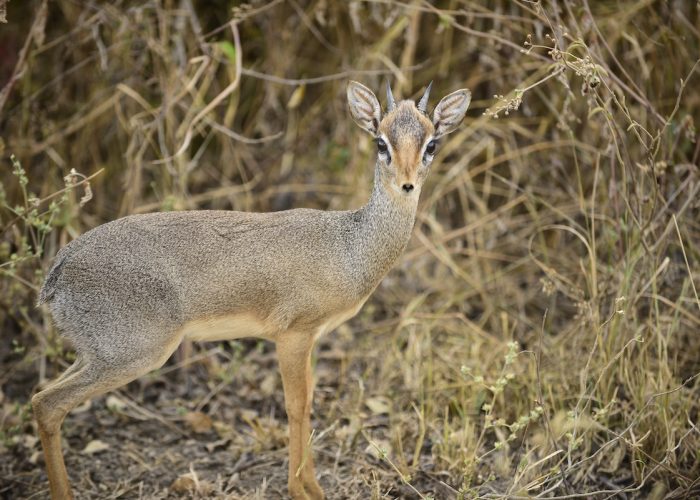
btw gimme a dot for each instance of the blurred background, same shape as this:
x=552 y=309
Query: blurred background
x=538 y=338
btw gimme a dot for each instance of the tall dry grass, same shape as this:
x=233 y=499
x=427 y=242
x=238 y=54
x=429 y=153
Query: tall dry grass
x=539 y=338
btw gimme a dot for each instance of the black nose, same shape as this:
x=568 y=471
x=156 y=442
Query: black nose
x=407 y=187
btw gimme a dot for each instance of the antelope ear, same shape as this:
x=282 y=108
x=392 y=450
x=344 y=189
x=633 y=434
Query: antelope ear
x=364 y=107
x=450 y=111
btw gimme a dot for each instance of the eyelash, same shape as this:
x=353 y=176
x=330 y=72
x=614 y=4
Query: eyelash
x=430 y=150
x=383 y=149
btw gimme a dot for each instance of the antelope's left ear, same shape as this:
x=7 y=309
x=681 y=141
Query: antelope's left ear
x=450 y=111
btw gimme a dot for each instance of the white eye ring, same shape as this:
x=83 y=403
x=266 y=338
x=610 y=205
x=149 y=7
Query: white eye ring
x=383 y=149
x=430 y=149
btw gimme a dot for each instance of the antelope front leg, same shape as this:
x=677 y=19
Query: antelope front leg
x=294 y=354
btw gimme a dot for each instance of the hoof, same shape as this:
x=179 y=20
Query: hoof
x=309 y=490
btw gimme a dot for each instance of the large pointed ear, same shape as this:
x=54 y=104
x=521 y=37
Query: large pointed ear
x=450 y=111
x=364 y=107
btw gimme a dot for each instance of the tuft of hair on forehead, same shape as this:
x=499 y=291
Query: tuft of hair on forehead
x=406 y=122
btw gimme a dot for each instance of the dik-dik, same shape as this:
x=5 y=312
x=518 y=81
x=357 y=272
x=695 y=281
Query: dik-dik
x=127 y=293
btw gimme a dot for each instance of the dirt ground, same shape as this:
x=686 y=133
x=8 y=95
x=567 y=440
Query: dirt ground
x=181 y=433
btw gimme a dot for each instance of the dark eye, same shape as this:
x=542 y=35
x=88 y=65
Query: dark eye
x=381 y=146
x=430 y=148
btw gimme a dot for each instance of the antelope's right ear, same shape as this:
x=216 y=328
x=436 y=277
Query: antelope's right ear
x=364 y=107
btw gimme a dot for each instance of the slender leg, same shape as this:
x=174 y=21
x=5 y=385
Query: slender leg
x=50 y=408
x=184 y=353
x=294 y=353
x=81 y=382
x=308 y=474
x=49 y=422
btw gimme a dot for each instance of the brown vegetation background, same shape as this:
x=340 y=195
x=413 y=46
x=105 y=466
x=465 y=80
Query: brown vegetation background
x=540 y=336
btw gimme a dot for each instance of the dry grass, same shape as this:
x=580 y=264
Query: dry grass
x=539 y=338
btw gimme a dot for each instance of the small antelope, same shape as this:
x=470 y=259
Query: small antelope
x=128 y=292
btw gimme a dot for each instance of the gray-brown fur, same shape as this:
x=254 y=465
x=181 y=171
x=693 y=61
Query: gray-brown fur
x=293 y=268
x=407 y=125
x=128 y=292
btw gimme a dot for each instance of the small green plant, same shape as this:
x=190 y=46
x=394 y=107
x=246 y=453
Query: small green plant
x=27 y=222
x=495 y=429
x=33 y=219
x=18 y=416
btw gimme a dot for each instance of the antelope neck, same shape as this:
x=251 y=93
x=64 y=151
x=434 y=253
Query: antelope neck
x=381 y=230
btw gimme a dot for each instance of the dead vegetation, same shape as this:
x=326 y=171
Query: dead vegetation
x=539 y=338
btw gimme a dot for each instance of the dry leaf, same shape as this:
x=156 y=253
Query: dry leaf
x=183 y=484
x=114 y=403
x=35 y=457
x=29 y=441
x=221 y=443
x=198 y=422
x=297 y=97
x=95 y=446
x=224 y=430
x=378 y=405
x=247 y=414
x=269 y=384
x=87 y=194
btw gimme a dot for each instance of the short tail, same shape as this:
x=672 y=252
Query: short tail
x=49 y=287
